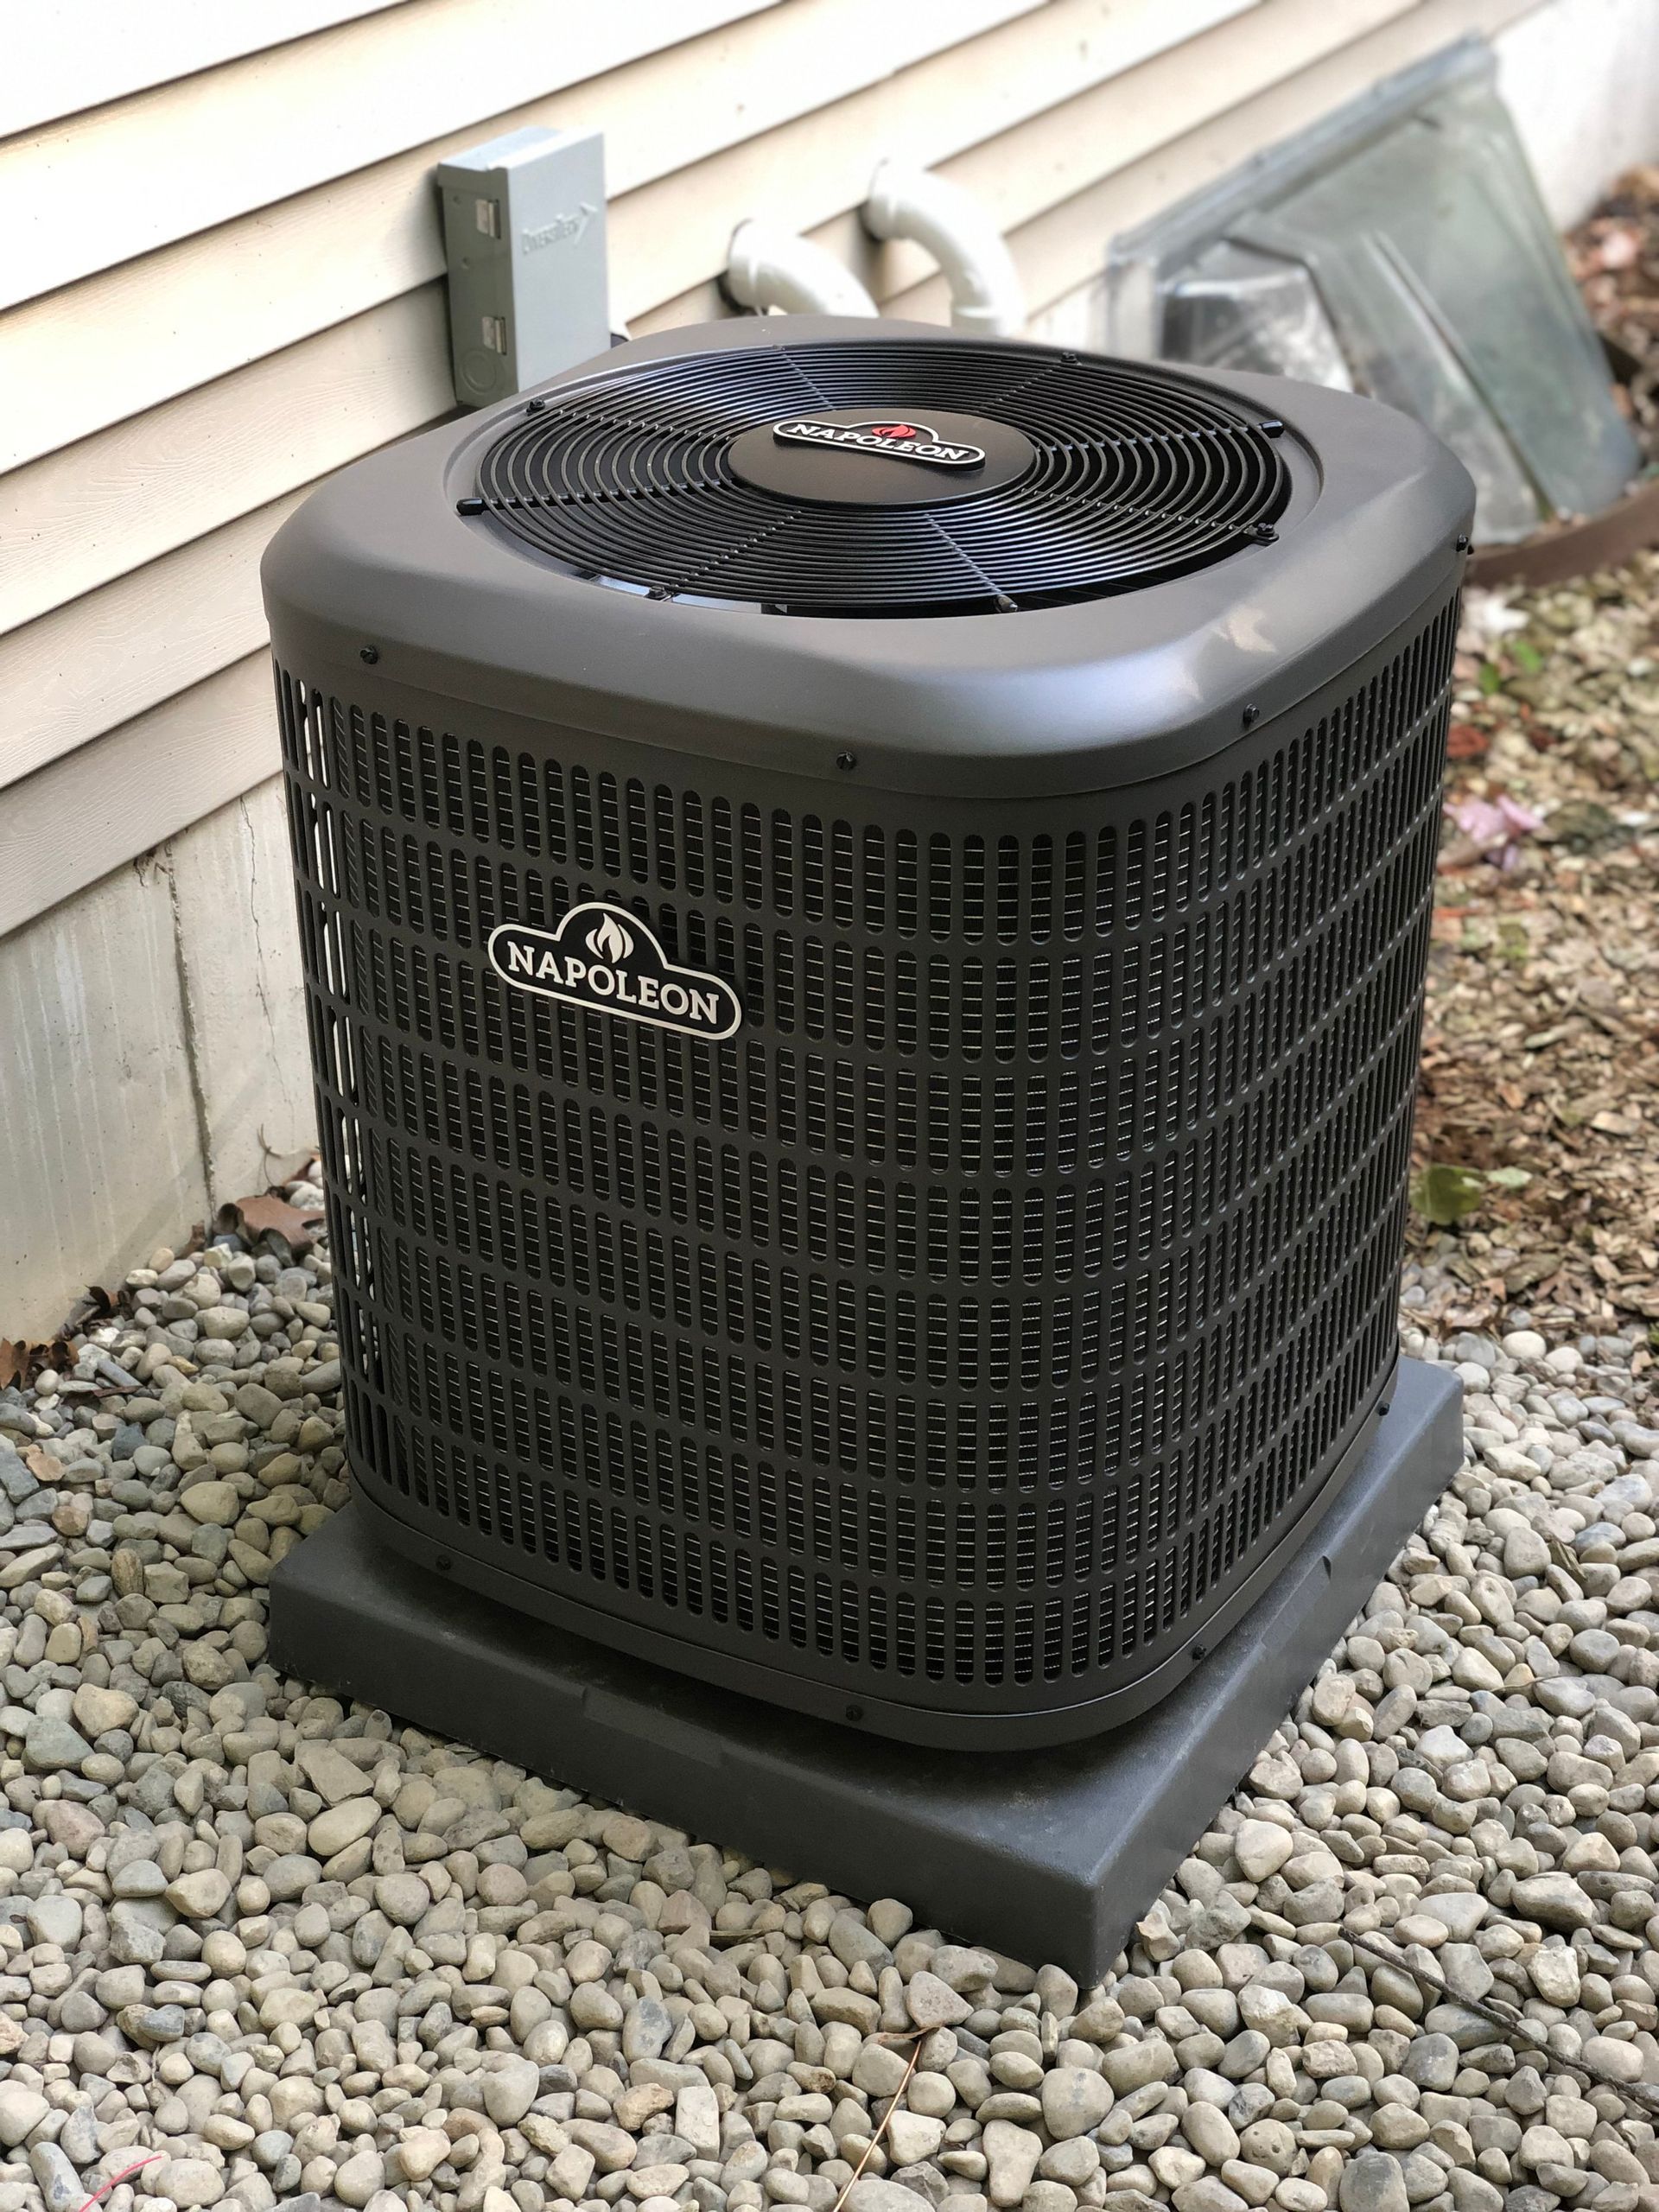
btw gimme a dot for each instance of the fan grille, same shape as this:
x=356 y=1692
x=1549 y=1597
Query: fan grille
x=1139 y=476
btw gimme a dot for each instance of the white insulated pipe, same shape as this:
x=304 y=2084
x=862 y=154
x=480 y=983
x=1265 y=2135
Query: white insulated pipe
x=985 y=297
x=771 y=268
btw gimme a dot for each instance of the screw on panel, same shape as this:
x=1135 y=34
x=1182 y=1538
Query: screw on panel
x=1462 y=544
x=660 y=591
x=845 y=759
x=370 y=653
x=469 y=506
x=443 y=1562
x=854 y=1713
x=1264 y=533
x=534 y=406
x=1272 y=428
x=1251 y=715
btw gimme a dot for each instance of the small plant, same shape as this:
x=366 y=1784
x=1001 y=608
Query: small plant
x=1445 y=1194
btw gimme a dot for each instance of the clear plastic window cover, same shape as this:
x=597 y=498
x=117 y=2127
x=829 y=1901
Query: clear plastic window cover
x=1398 y=248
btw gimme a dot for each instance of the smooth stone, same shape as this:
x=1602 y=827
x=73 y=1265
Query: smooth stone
x=912 y=2137
x=1553 y=1901
x=100 y=1710
x=1075 y=2100
x=405 y=1898
x=51 y=1744
x=1011 y=2155
x=190 y=2183
x=361 y=2177
x=55 y=1919
x=22 y=2111
x=341 y=1825
x=216 y=1504
x=932 y=2002
x=419 y=2152
x=1372 y=2181
x=1459 y=1912
x=1261 y=1848
x=290 y=1873
x=152 y=2025
x=61 y=2186
x=198 y=1896
x=1613 y=2057
x=870 y=2193
x=510 y=2089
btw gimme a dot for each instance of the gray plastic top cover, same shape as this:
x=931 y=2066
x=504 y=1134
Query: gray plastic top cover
x=1053 y=699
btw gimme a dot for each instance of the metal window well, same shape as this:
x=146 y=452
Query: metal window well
x=1398 y=248
x=864 y=897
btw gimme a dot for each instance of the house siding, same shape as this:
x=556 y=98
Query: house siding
x=224 y=282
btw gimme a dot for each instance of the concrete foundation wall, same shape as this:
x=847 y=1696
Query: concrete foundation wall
x=1581 y=77
x=152 y=1058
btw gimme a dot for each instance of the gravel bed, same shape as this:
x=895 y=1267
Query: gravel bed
x=284 y=1952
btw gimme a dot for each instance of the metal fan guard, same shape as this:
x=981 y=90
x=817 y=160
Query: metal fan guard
x=1139 y=475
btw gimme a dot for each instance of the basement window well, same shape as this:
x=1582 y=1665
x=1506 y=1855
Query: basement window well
x=1397 y=248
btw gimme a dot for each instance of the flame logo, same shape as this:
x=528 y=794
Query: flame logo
x=610 y=942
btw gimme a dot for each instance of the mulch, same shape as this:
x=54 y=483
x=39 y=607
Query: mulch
x=1536 y=1182
x=1614 y=257
x=1537 y=1142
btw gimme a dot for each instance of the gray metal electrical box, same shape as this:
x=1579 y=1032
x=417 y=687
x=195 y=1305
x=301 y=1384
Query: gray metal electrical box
x=524 y=230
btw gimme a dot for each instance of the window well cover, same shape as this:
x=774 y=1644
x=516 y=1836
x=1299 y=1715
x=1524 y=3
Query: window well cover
x=1400 y=248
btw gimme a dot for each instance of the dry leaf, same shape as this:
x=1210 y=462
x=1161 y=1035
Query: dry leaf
x=1465 y=741
x=20 y=1362
x=94 y=1305
x=267 y=1218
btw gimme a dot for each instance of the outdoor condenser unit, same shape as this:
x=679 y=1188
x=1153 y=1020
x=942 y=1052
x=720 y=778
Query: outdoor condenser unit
x=864 y=899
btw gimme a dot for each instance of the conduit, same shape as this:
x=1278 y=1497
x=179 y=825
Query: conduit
x=773 y=268
x=986 y=298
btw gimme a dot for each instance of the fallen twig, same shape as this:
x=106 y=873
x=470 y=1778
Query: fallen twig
x=915 y=2037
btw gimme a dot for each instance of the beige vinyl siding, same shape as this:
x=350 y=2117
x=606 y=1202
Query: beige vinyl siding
x=102 y=659
x=66 y=55
x=196 y=309
x=186 y=156
x=95 y=510
x=1040 y=162
x=1234 y=97
x=274 y=308
x=74 y=821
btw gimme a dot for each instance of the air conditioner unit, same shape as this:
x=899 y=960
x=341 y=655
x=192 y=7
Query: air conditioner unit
x=864 y=899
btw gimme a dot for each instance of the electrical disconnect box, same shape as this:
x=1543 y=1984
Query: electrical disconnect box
x=524 y=232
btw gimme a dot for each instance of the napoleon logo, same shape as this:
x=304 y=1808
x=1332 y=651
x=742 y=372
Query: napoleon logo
x=894 y=440
x=605 y=960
